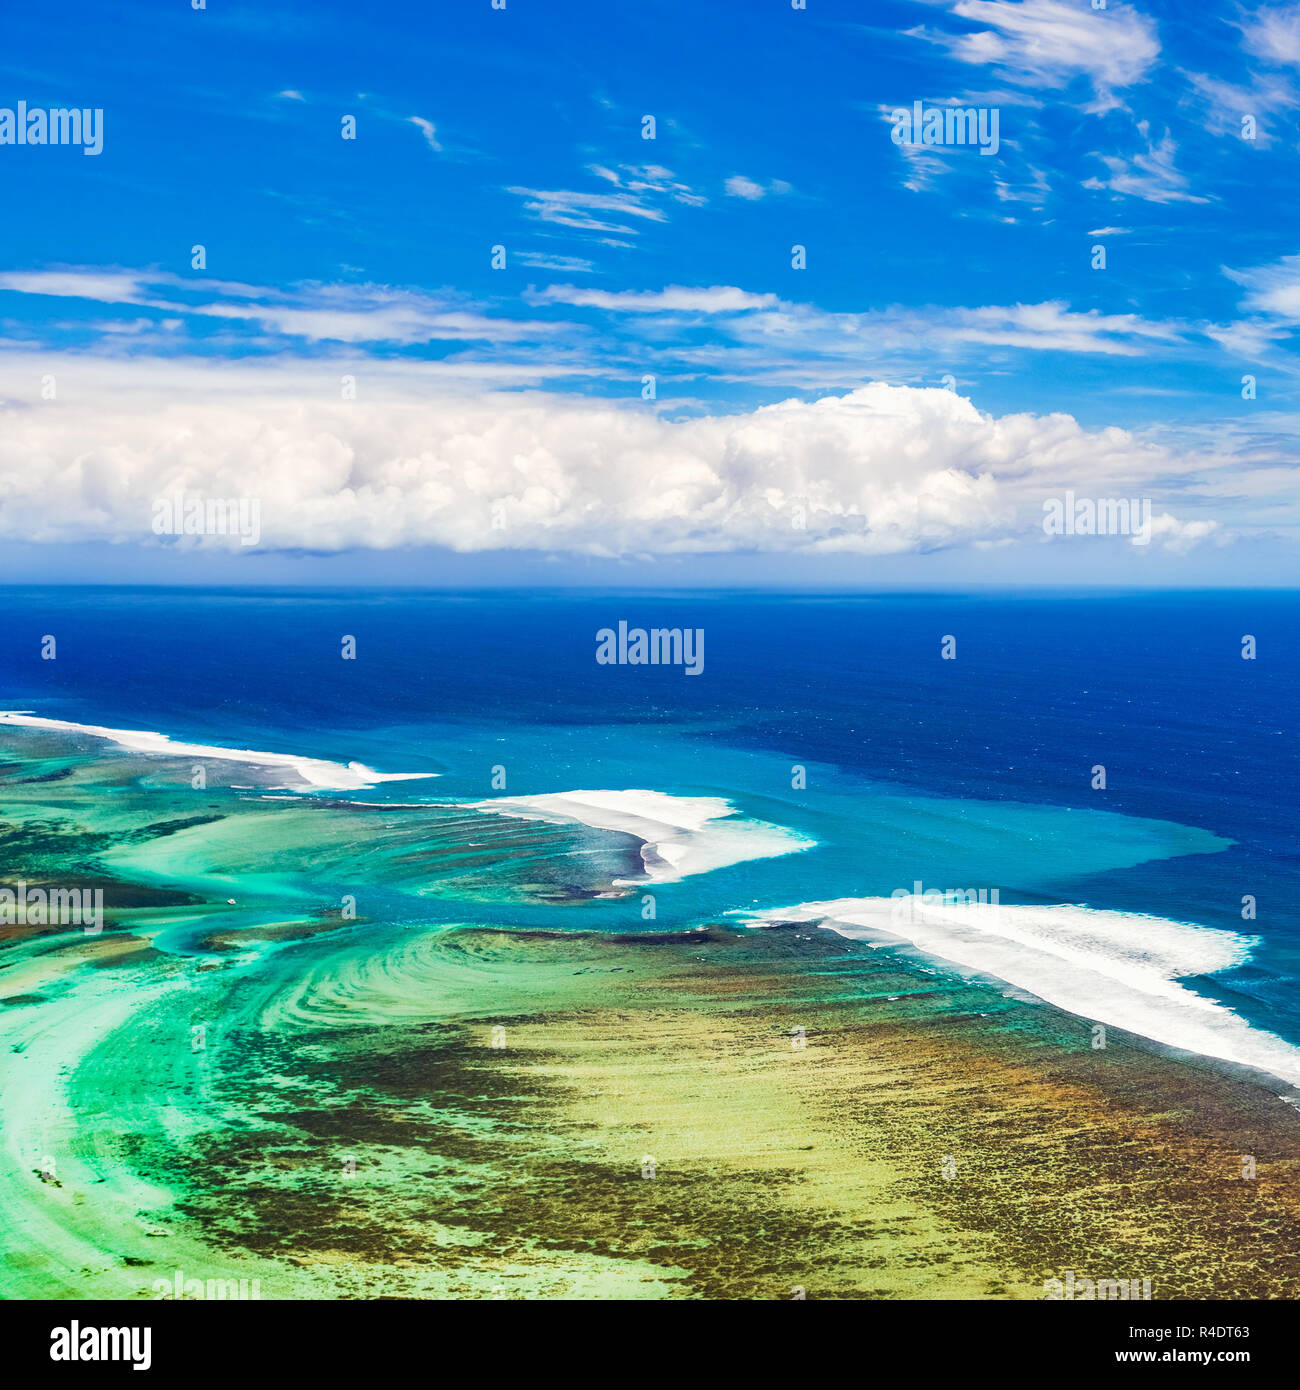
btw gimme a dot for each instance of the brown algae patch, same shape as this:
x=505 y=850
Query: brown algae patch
x=656 y=1105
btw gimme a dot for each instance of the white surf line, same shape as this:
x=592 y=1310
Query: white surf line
x=681 y=835
x=1116 y=968
x=318 y=772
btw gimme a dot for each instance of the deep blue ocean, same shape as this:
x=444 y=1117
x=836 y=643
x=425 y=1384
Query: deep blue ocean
x=971 y=771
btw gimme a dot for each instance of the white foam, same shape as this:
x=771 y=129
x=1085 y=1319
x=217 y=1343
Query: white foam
x=682 y=835
x=1117 y=968
x=318 y=772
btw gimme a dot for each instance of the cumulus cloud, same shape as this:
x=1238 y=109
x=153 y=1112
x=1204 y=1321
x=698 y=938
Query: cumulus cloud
x=879 y=470
x=1181 y=536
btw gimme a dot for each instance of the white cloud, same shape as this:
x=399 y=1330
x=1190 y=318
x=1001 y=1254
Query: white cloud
x=1032 y=187
x=1222 y=104
x=315 y=313
x=1046 y=43
x=880 y=470
x=1049 y=326
x=646 y=179
x=1253 y=339
x=643 y=193
x=1150 y=174
x=378 y=318
x=1015 y=178
x=1054 y=325
x=753 y=336
x=428 y=130
x=1274 y=34
x=544 y=260
x=106 y=286
x=1272 y=289
x=738 y=186
x=1181 y=536
x=716 y=299
x=923 y=165
x=568 y=208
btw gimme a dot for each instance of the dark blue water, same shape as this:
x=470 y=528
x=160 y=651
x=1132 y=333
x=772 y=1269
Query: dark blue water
x=1042 y=689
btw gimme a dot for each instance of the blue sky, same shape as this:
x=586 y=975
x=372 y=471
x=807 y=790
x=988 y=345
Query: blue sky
x=500 y=427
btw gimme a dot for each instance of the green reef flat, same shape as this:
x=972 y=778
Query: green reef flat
x=406 y=1097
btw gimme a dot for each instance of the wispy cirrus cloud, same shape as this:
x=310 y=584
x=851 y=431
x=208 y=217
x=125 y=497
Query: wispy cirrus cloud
x=1050 y=326
x=547 y=260
x=752 y=190
x=1273 y=34
x=719 y=333
x=643 y=194
x=1224 y=105
x=1150 y=174
x=649 y=180
x=715 y=299
x=1013 y=177
x=587 y=212
x=760 y=331
x=428 y=130
x=1272 y=290
x=314 y=313
x=1050 y=43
